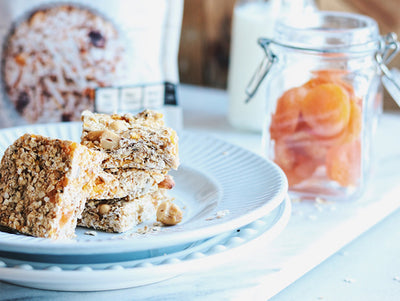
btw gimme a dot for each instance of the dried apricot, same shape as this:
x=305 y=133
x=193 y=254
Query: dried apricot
x=353 y=129
x=296 y=165
x=312 y=83
x=317 y=124
x=284 y=156
x=331 y=76
x=326 y=109
x=343 y=163
x=306 y=143
x=302 y=170
x=286 y=116
x=324 y=77
x=349 y=88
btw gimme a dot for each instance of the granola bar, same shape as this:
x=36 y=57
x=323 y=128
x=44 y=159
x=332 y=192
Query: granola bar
x=141 y=141
x=120 y=215
x=44 y=184
x=120 y=183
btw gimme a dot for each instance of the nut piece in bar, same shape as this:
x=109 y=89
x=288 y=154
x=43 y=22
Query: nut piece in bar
x=44 y=184
x=120 y=215
x=169 y=213
x=141 y=141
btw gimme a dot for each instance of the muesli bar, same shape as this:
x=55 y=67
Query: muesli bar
x=141 y=141
x=120 y=215
x=44 y=184
x=119 y=183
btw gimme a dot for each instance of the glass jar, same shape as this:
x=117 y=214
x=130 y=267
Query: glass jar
x=324 y=96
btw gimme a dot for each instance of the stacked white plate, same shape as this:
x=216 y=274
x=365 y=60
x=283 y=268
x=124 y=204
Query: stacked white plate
x=231 y=198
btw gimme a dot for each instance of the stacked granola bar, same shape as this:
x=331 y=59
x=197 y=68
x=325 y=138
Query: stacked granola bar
x=116 y=178
x=139 y=149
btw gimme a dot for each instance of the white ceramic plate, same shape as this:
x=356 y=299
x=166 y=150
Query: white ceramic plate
x=214 y=177
x=203 y=255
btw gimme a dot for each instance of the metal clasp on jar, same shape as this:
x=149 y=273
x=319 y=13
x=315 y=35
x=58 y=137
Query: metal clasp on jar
x=262 y=70
x=389 y=47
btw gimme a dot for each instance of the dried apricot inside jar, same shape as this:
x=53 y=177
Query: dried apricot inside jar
x=326 y=109
x=287 y=112
x=318 y=126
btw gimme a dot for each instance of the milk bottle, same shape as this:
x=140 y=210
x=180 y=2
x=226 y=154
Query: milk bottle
x=252 y=20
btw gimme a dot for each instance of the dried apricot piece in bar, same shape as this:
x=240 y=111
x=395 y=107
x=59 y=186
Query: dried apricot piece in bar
x=326 y=109
x=286 y=116
x=343 y=163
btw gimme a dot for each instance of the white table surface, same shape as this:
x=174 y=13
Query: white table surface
x=357 y=260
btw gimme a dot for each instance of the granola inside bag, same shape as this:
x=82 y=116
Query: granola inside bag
x=62 y=57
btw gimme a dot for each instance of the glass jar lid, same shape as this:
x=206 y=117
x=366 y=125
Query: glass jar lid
x=328 y=32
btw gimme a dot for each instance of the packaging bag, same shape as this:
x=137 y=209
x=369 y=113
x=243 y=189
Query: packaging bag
x=62 y=57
